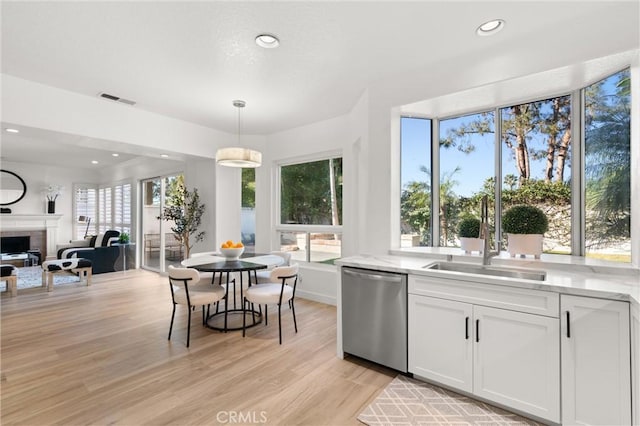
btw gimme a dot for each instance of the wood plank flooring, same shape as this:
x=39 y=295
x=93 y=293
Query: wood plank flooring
x=99 y=355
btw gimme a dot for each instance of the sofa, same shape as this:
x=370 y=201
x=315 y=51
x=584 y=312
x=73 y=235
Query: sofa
x=99 y=249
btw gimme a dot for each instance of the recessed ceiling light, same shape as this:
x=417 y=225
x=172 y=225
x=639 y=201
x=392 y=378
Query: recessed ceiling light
x=268 y=41
x=94 y=161
x=164 y=155
x=12 y=130
x=115 y=154
x=490 y=27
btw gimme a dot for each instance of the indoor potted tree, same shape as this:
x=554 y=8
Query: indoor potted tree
x=468 y=232
x=185 y=210
x=525 y=227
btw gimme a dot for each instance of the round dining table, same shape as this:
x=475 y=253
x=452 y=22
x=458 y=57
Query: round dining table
x=220 y=266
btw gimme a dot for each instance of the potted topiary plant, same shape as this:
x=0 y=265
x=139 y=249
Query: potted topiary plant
x=525 y=227
x=468 y=232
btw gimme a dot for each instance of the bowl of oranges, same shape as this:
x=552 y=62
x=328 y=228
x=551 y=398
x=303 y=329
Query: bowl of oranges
x=231 y=250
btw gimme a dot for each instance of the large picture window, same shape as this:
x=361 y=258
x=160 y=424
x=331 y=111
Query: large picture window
x=415 y=203
x=608 y=168
x=465 y=143
x=310 y=209
x=536 y=148
x=536 y=164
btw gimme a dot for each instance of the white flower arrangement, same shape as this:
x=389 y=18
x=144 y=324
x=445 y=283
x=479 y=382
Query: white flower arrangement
x=52 y=191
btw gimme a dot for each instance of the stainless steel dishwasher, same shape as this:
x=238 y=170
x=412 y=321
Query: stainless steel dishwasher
x=374 y=316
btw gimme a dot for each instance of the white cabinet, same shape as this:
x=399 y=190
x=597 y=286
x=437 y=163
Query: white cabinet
x=508 y=357
x=440 y=339
x=516 y=360
x=596 y=361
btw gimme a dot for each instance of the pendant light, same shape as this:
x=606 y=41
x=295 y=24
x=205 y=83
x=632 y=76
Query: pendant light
x=238 y=156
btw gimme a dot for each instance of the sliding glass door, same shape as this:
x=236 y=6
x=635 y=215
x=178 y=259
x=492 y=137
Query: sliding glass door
x=159 y=245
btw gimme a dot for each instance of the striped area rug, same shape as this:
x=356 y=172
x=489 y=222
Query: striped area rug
x=406 y=401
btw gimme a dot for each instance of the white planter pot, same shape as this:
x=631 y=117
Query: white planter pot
x=524 y=244
x=471 y=244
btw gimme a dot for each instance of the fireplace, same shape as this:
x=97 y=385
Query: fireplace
x=20 y=244
x=42 y=228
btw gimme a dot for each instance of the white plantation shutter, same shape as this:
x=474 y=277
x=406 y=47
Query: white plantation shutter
x=85 y=204
x=115 y=208
x=122 y=208
x=105 y=212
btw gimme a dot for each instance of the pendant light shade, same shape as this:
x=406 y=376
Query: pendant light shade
x=238 y=156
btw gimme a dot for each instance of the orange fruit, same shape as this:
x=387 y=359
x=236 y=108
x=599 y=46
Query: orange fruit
x=229 y=243
x=239 y=245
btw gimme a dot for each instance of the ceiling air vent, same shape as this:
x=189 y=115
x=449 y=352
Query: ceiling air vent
x=116 y=99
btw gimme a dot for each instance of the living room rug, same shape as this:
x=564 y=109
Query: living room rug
x=31 y=276
x=406 y=401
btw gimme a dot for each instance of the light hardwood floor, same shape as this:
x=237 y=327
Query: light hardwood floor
x=100 y=355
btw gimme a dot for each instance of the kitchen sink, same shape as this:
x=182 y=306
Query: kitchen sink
x=524 y=274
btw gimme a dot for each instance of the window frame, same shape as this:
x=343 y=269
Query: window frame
x=279 y=227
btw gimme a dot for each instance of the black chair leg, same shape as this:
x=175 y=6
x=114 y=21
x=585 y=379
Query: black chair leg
x=173 y=315
x=266 y=317
x=244 y=317
x=189 y=327
x=293 y=310
x=279 y=324
x=253 y=315
x=203 y=317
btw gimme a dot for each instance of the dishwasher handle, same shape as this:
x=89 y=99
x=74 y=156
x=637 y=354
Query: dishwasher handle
x=373 y=277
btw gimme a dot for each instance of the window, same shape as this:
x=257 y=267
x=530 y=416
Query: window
x=114 y=208
x=608 y=168
x=310 y=209
x=465 y=142
x=536 y=164
x=415 y=203
x=104 y=209
x=248 y=212
x=85 y=206
x=535 y=146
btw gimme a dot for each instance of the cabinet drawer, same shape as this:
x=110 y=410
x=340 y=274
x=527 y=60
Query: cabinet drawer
x=517 y=299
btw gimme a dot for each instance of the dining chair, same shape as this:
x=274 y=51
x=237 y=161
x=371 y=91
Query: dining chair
x=265 y=276
x=188 y=289
x=282 y=288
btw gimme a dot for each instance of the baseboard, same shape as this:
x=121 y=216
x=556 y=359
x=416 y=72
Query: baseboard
x=316 y=297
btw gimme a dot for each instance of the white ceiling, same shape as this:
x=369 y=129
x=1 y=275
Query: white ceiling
x=189 y=60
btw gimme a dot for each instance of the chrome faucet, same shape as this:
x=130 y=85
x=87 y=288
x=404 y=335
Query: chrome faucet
x=484 y=232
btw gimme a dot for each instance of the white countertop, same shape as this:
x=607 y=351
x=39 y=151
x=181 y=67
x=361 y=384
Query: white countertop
x=577 y=278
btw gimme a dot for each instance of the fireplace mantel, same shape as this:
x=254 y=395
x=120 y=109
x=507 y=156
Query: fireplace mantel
x=34 y=222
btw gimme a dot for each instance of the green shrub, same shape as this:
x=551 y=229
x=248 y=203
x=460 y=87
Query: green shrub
x=469 y=227
x=524 y=219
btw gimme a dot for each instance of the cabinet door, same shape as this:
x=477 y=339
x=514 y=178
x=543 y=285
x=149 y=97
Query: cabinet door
x=517 y=360
x=440 y=338
x=596 y=369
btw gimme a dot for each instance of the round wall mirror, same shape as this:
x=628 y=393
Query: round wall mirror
x=12 y=188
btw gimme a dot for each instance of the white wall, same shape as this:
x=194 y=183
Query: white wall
x=36 y=177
